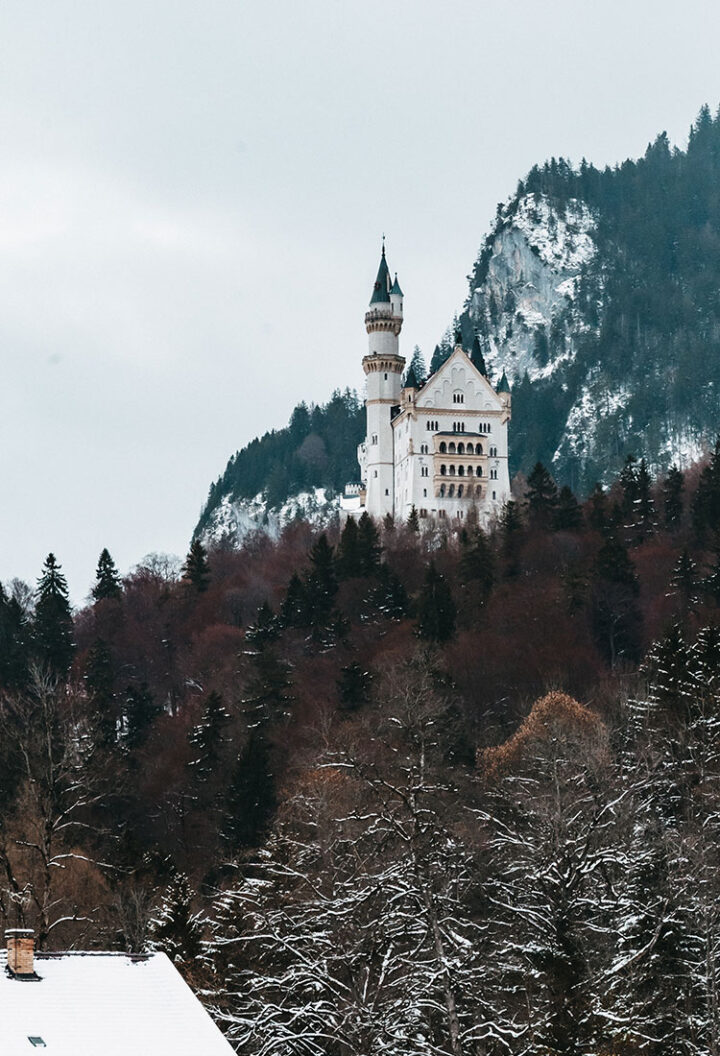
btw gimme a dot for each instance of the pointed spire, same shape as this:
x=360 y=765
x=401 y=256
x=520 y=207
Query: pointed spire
x=476 y=357
x=396 y=286
x=381 y=289
x=503 y=384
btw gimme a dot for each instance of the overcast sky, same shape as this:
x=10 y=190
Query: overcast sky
x=192 y=194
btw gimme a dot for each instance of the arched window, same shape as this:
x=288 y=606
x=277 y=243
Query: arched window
x=443 y=470
x=469 y=471
x=452 y=471
x=461 y=471
x=451 y=491
x=478 y=490
x=461 y=449
x=442 y=491
x=469 y=448
x=443 y=447
x=478 y=471
x=451 y=448
x=478 y=449
x=460 y=491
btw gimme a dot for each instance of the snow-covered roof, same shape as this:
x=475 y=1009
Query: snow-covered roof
x=104 y=1004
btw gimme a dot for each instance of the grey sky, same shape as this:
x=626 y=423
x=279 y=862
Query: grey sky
x=191 y=201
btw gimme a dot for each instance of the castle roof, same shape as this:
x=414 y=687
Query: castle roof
x=503 y=384
x=477 y=359
x=396 y=286
x=381 y=289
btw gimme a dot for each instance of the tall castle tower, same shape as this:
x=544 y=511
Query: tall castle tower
x=383 y=366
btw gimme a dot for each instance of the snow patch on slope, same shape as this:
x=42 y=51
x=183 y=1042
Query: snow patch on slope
x=235 y=519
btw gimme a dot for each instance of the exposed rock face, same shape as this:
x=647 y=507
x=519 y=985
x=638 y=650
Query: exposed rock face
x=537 y=308
x=233 y=521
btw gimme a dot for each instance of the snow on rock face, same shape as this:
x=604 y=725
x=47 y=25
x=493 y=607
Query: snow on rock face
x=525 y=303
x=234 y=519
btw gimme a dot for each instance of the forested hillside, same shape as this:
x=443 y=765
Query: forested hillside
x=378 y=791
x=597 y=291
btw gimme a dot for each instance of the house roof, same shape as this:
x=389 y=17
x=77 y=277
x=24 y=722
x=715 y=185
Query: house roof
x=104 y=1004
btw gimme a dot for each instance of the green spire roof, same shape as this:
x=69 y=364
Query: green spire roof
x=477 y=359
x=503 y=384
x=396 y=286
x=411 y=381
x=381 y=289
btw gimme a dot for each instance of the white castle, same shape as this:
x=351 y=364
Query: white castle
x=440 y=447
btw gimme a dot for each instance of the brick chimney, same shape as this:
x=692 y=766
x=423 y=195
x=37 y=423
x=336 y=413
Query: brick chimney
x=21 y=951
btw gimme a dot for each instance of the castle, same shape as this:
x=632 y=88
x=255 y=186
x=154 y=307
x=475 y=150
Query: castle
x=440 y=445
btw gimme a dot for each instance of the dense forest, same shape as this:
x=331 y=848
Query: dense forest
x=389 y=791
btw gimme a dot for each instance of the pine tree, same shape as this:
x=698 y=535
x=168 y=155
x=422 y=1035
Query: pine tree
x=209 y=736
x=269 y=689
x=541 y=496
x=673 y=497
x=711 y=583
x=265 y=628
x=568 y=515
x=597 y=512
x=368 y=546
x=251 y=799
x=14 y=643
x=616 y=618
x=140 y=712
x=510 y=535
x=644 y=505
x=347 y=558
x=706 y=504
x=684 y=581
x=100 y=682
x=417 y=367
x=294 y=609
x=196 y=570
x=320 y=584
x=107 y=580
x=629 y=484
x=176 y=930
x=53 y=629
x=413 y=521
x=436 y=608
x=477 y=565
x=667 y=667
x=390 y=596
x=354 y=686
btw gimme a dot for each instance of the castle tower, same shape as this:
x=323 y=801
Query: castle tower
x=383 y=366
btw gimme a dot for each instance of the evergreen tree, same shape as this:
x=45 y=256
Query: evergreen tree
x=196 y=570
x=140 y=712
x=14 y=643
x=390 y=596
x=100 y=682
x=354 y=686
x=53 y=629
x=616 y=618
x=629 y=484
x=683 y=580
x=269 y=689
x=673 y=497
x=706 y=504
x=477 y=565
x=347 y=559
x=510 y=535
x=265 y=628
x=568 y=515
x=320 y=584
x=417 y=367
x=645 y=507
x=107 y=580
x=413 y=521
x=176 y=930
x=436 y=608
x=209 y=736
x=541 y=496
x=251 y=799
x=711 y=583
x=667 y=667
x=294 y=609
x=597 y=512
x=368 y=545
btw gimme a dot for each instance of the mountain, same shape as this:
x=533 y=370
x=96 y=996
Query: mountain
x=598 y=292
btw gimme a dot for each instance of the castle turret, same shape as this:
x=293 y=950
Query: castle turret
x=383 y=366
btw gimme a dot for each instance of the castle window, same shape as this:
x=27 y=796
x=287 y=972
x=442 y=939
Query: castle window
x=478 y=471
x=424 y=493
x=386 y=377
x=451 y=491
x=451 y=448
x=387 y=491
x=452 y=471
x=441 y=513
x=478 y=449
x=469 y=471
x=460 y=491
x=442 y=491
x=458 y=397
x=461 y=449
x=374 y=438
x=469 y=449
x=478 y=490
x=443 y=470
x=443 y=447
x=424 y=471
x=493 y=474
x=461 y=471
x=423 y=449
x=494 y=496
x=493 y=452
x=374 y=472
